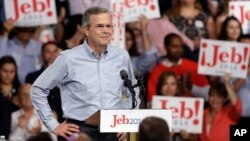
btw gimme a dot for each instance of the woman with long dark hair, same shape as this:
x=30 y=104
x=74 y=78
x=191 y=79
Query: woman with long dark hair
x=231 y=29
x=8 y=89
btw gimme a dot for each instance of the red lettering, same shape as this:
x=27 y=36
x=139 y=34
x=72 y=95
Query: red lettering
x=133 y=3
x=38 y=6
x=236 y=57
x=125 y=120
x=203 y=58
x=175 y=112
x=245 y=54
x=248 y=15
x=16 y=16
x=185 y=112
x=163 y=104
x=224 y=57
x=119 y=121
x=25 y=8
x=242 y=14
x=143 y=2
x=130 y=3
x=216 y=47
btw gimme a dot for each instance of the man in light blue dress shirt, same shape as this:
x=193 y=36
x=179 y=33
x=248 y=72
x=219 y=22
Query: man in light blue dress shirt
x=89 y=80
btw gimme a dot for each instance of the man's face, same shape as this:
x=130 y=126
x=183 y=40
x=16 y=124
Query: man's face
x=174 y=49
x=100 y=30
x=23 y=34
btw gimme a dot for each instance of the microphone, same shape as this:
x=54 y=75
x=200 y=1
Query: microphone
x=138 y=77
x=140 y=83
x=124 y=77
x=123 y=74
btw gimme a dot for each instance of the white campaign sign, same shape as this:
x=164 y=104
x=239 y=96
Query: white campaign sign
x=129 y=120
x=132 y=9
x=219 y=57
x=118 y=37
x=187 y=113
x=31 y=12
x=241 y=10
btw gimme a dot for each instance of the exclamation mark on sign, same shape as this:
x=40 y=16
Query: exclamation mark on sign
x=49 y=13
x=152 y=6
x=196 y=109
x=244 y=67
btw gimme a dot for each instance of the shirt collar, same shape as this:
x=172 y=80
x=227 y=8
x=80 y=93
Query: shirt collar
x=91 y=52
x=168 y=63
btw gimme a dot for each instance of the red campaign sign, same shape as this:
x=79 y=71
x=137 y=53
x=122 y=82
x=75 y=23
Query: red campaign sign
x=187 y=113
x=220 y=57
x=31 y=12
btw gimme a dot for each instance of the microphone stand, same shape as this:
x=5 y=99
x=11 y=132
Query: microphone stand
x=140 y=84
x=128 y=84
x=131 y=87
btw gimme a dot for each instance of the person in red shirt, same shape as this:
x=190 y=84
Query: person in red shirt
x=182 y=67
x=218 y=117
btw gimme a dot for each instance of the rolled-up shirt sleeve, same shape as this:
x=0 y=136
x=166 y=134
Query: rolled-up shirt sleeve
x=50 y=78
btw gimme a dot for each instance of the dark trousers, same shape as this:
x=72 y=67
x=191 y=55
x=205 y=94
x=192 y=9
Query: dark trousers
x=94 y=132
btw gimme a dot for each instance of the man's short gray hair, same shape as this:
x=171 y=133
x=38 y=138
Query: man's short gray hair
x=92 y=11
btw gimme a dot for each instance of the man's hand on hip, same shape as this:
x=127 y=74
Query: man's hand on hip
x=66 y=129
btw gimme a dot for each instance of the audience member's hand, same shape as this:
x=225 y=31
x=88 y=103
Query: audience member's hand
x=66 y=129
x=172 y=133
x=144 y=22
x=61 y=15
x=227 y=78
x=37 y=128
x=23 y=121
x=122 y=136
x=8 y=25
x=41 y=28
x=184 y=134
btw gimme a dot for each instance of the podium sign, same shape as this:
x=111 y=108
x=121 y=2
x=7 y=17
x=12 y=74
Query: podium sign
x=129 y=120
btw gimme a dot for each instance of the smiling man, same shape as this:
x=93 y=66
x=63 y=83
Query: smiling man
x=89 y=79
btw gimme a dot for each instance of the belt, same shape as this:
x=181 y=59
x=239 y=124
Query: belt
x=82 y=123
